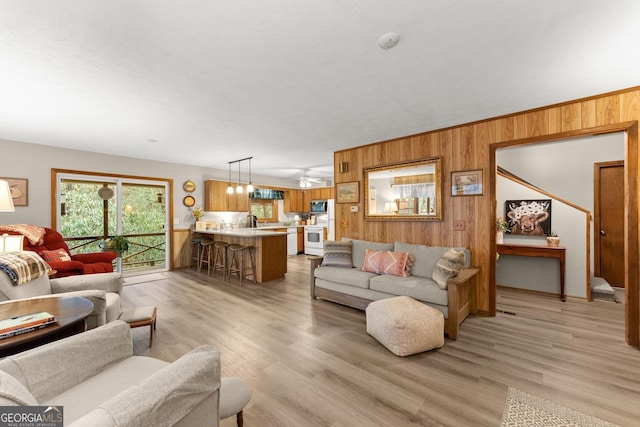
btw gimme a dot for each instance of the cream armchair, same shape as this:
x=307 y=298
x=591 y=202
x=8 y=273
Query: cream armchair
x=102 y=289
x=98 y=381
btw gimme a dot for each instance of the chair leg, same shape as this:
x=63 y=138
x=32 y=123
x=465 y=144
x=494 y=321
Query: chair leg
x=239 y=419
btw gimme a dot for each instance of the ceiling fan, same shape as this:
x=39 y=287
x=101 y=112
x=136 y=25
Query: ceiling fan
x=306 y=181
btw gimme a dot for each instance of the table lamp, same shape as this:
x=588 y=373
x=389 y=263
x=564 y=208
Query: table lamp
x=6 y=201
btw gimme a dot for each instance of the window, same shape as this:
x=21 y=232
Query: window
x=266 y=210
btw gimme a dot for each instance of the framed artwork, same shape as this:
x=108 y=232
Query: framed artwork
x=528 y=217
x=467 y=183
x=347 y=192
x=19 y=190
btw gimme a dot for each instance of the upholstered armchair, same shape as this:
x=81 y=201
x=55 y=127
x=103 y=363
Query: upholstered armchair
x=97 y=380
x=103 y=290
x=53 y=249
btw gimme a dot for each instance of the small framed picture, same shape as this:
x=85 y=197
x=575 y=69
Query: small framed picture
x=347 y=192
x=467 y=183
x=19 y=190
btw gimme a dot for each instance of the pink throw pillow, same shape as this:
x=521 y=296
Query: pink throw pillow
x=387 y=262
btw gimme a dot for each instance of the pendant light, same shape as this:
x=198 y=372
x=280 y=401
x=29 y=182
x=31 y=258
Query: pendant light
x=229 y=187
x=250 y=186
x=239 y=187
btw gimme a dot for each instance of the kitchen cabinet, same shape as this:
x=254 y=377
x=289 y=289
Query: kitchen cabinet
x=217 y=199
x=323 y=193
x=300 y=240
x=181 y=248
x=293 y=201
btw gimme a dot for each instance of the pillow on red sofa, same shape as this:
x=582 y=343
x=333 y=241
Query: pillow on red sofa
x=56 y=255
x=387 y=262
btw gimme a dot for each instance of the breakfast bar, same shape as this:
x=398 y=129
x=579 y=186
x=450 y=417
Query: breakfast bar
x=270 y=248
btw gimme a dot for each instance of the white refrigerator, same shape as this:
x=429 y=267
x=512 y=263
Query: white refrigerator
x=331 y=219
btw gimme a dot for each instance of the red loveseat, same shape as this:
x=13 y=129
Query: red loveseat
x=55 y=252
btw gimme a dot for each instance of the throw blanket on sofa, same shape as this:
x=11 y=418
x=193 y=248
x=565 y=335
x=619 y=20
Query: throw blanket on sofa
x=23 y=267
x=33 y=233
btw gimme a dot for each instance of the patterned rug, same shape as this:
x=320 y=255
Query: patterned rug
x=523 y=409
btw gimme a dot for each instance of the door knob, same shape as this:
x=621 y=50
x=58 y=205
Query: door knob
x=602 y=233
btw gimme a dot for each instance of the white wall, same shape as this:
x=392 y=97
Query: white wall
x=565 y=169
x=34 y=162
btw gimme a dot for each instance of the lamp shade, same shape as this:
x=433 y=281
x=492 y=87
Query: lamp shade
x=11 y=243
x=6 y=202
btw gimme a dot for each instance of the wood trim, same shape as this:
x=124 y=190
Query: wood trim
x=473 y=146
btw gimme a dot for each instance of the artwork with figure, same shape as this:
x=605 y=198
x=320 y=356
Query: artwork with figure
x=528 y=217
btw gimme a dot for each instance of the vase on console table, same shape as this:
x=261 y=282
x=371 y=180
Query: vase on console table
x=499 y=237
x=553 y=241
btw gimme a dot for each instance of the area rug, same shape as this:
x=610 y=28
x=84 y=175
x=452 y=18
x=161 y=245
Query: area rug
x=524 y=409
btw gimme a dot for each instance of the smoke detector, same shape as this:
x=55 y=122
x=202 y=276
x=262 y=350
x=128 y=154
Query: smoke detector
x=389 y=40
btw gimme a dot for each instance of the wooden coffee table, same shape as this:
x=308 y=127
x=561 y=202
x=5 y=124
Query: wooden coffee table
x=70 y=316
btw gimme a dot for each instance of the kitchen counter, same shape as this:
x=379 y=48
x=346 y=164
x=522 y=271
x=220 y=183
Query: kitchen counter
x=270 y=253
x=245 y=232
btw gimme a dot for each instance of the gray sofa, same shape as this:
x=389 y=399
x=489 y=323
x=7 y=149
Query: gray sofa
x=356 y=288
x=98 y=381
x=102 y=289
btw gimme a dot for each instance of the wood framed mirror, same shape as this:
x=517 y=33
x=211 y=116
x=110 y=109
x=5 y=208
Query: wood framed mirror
x=404 y=191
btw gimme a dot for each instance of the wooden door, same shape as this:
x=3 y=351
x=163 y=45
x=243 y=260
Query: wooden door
x=609 y=222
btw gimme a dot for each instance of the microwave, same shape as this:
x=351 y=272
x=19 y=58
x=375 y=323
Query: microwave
x=318 y=206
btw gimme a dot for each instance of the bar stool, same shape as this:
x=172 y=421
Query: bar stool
x=195 y=252
x=236 y=262
x=220 y=258
x=206 y=250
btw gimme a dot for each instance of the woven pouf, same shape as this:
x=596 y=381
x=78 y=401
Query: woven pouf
x=405 y=326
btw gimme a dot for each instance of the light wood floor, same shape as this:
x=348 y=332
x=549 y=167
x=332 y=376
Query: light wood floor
x=311 y=362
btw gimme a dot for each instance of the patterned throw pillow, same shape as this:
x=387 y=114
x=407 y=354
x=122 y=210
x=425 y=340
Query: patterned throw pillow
x=448 y=266
x=387 y=262
x=56 y=255
x=337 y=254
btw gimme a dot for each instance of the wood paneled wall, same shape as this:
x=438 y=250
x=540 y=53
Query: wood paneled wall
x=472 y=146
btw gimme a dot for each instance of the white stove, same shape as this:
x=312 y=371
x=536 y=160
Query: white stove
x=314 y=239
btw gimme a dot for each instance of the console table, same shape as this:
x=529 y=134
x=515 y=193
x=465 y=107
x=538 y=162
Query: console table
x=557 y=252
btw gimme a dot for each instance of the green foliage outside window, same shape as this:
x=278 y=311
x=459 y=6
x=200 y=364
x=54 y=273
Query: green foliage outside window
x=143 y=212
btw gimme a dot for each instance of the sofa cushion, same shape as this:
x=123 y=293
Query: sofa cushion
x=14 y=393
x=359 y=247
x=387 y=262
x=351 y=276
x=419 y=288
x=55 y=255
x=448 y=266
x=337 y=254
x=426 y=257
x=89 y=394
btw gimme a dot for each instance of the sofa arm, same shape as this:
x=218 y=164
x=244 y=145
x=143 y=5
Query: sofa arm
x=186 y=392
x=314 y=262
x=107 y=282
x=53 y=368
x=89 y=258
x=98 y=315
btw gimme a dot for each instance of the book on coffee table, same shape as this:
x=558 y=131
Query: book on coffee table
x=25 y=323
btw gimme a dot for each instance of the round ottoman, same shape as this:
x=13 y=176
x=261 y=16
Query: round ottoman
x=405 y=326
x=234 y=395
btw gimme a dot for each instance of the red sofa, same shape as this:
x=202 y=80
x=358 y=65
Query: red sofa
x=53 y=248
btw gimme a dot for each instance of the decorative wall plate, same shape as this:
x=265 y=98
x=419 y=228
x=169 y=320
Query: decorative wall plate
x=189 y=201
x=189 y=186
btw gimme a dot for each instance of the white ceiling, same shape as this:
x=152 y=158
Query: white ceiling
x=205 y=82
